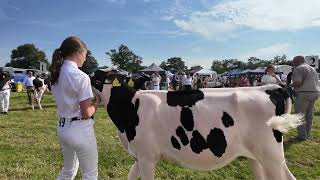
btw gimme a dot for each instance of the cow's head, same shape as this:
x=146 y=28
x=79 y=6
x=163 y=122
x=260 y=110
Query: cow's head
x=104 y=80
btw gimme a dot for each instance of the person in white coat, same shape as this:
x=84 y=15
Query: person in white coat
x=156 y=79
x=270 y=77
x=71 y=89
x=5 y=92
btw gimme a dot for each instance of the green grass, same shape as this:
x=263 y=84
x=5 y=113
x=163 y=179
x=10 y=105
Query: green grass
x=29 y=149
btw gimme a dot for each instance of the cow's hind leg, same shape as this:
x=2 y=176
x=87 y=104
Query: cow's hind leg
x=273 y=163
x=257 y=169
x=146 y=167
x=134 y=171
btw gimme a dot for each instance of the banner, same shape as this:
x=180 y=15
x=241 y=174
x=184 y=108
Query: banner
x=313 y=61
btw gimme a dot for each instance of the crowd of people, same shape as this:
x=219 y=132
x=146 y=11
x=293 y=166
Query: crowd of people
x=76 y=103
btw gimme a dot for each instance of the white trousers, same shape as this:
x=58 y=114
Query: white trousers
x=79 y=148
x=4 y=100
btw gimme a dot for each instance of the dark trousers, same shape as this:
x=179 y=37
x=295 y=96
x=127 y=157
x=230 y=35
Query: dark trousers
x=187 y=87
x=30 y=93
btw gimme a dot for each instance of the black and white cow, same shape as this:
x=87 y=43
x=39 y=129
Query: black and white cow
x=199 y=130
x=39 y=91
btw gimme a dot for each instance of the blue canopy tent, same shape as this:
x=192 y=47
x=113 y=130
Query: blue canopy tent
x=258 y=71
x=234 y=72
x=247 y=71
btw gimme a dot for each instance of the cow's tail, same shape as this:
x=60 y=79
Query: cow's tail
x=285 y=122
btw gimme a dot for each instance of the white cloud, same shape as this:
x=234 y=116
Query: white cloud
x=272 y=15
x=267 y=52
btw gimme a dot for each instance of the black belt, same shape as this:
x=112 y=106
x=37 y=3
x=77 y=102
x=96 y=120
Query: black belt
x=77 y=118
x=4 y=89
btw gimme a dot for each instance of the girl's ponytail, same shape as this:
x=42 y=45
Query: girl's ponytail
x=57 y=61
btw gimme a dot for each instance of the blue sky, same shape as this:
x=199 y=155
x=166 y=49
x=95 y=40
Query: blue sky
x=198 y=31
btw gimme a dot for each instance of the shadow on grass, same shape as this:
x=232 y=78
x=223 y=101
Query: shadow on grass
x=36 y=107
x=292 y=141
x=317 y=113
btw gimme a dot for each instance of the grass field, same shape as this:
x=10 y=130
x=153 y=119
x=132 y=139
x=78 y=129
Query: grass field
x=29 y=149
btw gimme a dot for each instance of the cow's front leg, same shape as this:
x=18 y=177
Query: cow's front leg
x=38 y=101
x=134 y=171
x=146 y=167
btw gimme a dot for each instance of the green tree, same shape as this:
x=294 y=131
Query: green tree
x=125 y=59
x=218 y=66
x=164 y=65
x=90 y=64
x=195 y=68
x=27 y=56
x=174 y=64
x=254 y=62
x=279 y=60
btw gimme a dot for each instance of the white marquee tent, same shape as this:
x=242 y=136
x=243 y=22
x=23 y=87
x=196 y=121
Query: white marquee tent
x=206 y=72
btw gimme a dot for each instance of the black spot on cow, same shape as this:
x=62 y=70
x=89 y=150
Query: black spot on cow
x=182 y=135
x=122 y=111
x=216 y=142
x=186 y=118
x=278 y=97
x=278 y=135
x=184 y=98
x=175 y=143
x=227 y=120
x=197 y=142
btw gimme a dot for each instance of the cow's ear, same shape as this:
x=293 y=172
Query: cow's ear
x=116 y=83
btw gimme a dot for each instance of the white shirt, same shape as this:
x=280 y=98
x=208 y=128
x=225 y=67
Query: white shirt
x=72 y=87
x=156 y=80
x=187 y=81
x=28 y=81
x=268 y=79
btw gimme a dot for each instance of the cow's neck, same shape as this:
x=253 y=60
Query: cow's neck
x=122 y=94
x=122 y=111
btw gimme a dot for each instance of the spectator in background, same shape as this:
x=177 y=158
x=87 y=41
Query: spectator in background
x=175 y=81
x=244 y=81
x=5 y=88
x=270 y=77
x=167 y=83
x=156 y=78
x=28 y=85
x=187 y=83
x=306 y=85
x=289 y=88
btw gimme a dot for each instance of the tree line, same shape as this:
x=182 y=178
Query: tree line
x=27 y=56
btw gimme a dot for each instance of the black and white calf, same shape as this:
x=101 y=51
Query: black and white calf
x=199 y=130
x=38 y=93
